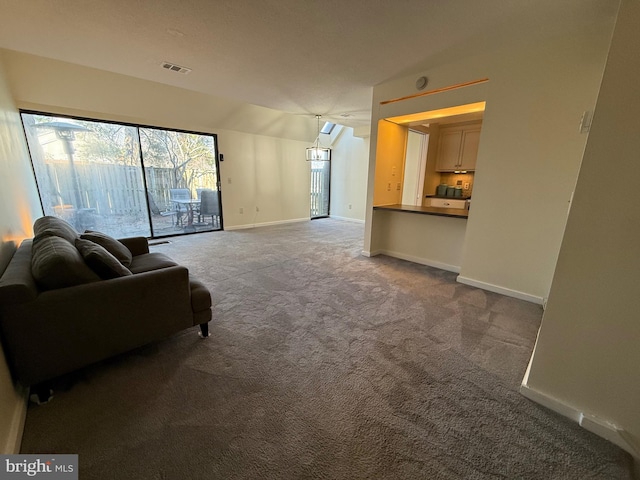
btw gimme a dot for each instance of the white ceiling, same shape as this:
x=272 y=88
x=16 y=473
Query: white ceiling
x=298 y=56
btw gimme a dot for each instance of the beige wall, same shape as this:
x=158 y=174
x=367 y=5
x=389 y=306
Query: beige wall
x=588 y=352
x=390 y=153
x=409 y=235
x=263 y=148
x=529 y=155
x=19 y=205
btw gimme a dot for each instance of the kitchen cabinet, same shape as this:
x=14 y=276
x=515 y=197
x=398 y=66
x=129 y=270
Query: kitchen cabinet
x=458 y=148
x=446 y=203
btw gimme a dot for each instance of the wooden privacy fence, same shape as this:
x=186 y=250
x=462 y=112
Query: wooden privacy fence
x=115 y=189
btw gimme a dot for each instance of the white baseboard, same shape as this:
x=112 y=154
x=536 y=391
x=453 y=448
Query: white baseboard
x=550 y=403
x=13 y=437
x=347 y=219
x=599 y=426
x=501 y=290
x=266 y=224
x=411 y=258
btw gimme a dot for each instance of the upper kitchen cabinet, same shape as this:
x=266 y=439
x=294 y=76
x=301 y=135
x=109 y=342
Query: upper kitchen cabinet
x=458 y=147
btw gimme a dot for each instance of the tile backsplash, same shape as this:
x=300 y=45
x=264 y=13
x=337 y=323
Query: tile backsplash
x=458 y=180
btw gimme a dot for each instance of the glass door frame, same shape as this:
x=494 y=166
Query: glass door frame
x=137 y=126
x=328 y=189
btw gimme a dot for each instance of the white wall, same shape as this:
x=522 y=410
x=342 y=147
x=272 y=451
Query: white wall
x=263 y=149
x=19 y=206
x=264 y=172
x=529 y=155
x=349 y=166
x=43 y=83
x=587 y=356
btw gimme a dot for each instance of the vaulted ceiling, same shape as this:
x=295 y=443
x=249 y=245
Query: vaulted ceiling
x=304 y=57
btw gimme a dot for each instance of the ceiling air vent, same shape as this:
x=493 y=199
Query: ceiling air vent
x=175 y=68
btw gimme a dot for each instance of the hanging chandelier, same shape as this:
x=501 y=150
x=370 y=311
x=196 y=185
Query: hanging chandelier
x=316 y=153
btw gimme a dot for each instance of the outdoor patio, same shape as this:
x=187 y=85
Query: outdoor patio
x=121 y=226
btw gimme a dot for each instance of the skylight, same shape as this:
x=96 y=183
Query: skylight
x=327 y=128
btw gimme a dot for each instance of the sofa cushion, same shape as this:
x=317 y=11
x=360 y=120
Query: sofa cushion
x=150 y=261
x=100 y=260
x=54 y=226
x=56 y=263
x=113 y=246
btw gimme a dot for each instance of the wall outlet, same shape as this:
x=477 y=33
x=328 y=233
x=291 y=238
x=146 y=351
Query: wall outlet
x=241 y=210
x=389 y=187
x=585 y=121
x=466 y=185
x=349 y=206
x=398 y=186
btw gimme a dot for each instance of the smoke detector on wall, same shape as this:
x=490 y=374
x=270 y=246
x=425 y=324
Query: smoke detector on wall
x=175 y=68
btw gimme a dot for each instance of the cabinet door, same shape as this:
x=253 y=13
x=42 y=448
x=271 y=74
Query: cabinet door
x=449 y=145
x=469 y=152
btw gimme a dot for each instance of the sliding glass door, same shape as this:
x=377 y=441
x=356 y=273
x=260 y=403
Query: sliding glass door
x=182 y=180
x=123 y=179
x=320 y=188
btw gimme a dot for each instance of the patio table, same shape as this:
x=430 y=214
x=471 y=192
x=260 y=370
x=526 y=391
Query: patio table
x=190 y=203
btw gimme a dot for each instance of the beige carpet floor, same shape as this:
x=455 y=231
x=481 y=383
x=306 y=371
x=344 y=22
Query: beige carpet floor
x=322 y=364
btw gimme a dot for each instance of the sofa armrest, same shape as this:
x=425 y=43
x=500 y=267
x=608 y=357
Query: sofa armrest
x=136 y=245
x=16 y=282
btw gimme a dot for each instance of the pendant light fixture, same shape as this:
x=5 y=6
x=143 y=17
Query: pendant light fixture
x=316 y=153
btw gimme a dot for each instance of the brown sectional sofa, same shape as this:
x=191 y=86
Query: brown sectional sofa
x=65 y=304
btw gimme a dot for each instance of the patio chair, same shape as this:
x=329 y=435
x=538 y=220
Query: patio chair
x=156 y=211
x=180 y=209
x=210 y=205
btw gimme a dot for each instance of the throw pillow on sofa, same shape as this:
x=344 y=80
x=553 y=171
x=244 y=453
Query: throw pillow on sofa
x=100 y=260
x=113 y=246
x=56 y=227
x=56 y=263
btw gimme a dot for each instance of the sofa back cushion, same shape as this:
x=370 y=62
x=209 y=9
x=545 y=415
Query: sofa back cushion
x=100 y=260
x=54 y=226
x=113 y=246
x=57 y=263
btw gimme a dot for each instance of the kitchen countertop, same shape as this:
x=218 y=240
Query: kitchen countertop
x=441 y=211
